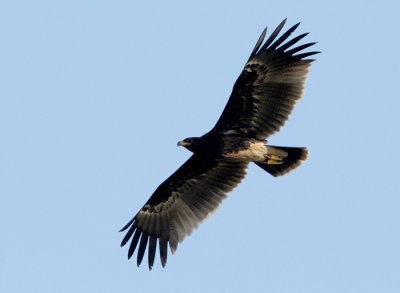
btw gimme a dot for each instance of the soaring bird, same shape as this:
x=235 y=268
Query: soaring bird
x=262 y=99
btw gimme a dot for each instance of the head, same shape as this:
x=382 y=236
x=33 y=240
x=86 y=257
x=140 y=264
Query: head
x=190 y=143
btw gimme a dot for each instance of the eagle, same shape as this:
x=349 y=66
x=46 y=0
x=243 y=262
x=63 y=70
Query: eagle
x=262 y=99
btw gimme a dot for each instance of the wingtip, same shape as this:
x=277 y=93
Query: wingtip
x=315 y=52
x=127 y=225
x=283 y=22
x=264 y=33
x=259 y=42
x=163 y=244
x=305 y=55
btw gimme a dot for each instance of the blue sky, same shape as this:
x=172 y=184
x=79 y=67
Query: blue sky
x=94 y=96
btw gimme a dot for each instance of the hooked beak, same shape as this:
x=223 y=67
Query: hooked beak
x=183 y=143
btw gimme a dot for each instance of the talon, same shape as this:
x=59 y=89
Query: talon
x=276 y=158
x=274 y=162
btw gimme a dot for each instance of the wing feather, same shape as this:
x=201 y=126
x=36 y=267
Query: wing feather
x=273 y=35
x=142 y=247
x=187 y=198
x=163 y=245
x=268 y=88
x=291 y=42
x=152 y=250
x=134 y=243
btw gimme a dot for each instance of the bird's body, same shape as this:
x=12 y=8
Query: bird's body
x=261 y=101
x=249 y=151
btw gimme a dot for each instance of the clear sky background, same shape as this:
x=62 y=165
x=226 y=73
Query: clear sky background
x=94 y=96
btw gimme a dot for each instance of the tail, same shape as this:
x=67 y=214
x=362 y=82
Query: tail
x=283 y=160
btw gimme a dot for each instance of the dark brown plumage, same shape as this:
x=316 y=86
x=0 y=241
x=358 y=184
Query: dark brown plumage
x=262 y=99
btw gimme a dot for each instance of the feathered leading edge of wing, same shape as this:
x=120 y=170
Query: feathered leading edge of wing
x=177 y=207
x=268 y=88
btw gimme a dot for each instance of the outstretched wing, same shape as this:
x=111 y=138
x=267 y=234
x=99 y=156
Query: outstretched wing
x=266 y=91
x=180 y=204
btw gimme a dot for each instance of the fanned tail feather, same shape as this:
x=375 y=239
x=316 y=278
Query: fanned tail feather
x=295 y=156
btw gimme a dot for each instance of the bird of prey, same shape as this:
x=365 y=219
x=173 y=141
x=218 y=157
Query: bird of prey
x=262 y=99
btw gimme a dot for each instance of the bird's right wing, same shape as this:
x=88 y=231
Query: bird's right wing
x=180 y=204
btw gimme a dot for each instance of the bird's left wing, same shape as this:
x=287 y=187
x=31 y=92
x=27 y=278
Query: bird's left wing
x=180 y=204
x=266 y=91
